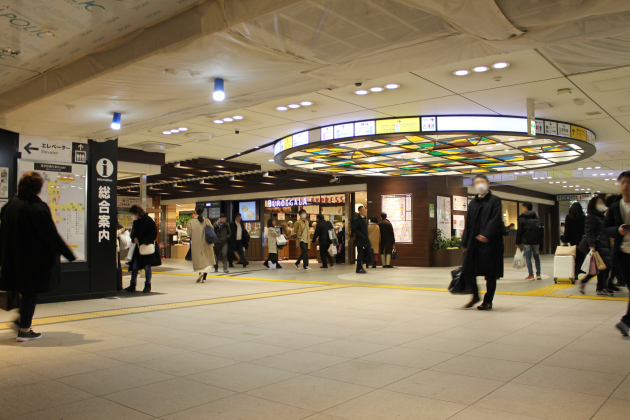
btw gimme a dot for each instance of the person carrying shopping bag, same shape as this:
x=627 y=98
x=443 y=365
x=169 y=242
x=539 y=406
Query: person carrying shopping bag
x=145 y=254
x=596 y=240
x=201 y=252
x=272 y=242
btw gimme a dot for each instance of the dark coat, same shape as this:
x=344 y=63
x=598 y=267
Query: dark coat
x=596 y=235
x=388 y=239
x=484 y=218
x=524 y=236
x=573 y=231
x=224 y=233
x=244 y=235
x=30 y=246
x=612 y=221
x=321 y=233
x=145 y=230
x=360 y=232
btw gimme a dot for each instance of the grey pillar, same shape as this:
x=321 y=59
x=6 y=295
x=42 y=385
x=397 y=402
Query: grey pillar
x=143 y=191
x=347 y=238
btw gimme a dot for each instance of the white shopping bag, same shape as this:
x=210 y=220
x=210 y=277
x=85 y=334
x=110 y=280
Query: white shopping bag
x=519 y=259
x=586 y=266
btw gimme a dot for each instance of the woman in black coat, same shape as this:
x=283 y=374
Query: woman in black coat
x=143 y=232
x=29 y=250
x=574 y=232
x=388 y=239
x=597 y=241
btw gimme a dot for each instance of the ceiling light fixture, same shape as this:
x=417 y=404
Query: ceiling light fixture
x=598 y=167
x=563 y=91
x=219 y=91
x=270 y=160
x=294 y=106
x=376 y=89
x=218 y=121
x=183 y=129
x=361 y=92
x=238 y=117
x=174 y=130
x=166 y=132
x=500 y=65
x=392 y=86
x=461 y=72
x=228 y=119
x=481 y=69
x=306 y=103
x=116 y=121
x=282 y=108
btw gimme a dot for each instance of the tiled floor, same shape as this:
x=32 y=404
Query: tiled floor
x=342 y=354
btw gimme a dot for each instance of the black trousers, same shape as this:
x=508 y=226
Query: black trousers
x=623 y=272
x=27 y=309
x=303 y=255
x=360 y=256
x=238 y=249
x=491 y=287
x=602 y=279
x=324 y=255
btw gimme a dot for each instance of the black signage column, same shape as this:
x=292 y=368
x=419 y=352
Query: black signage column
x=103 y=218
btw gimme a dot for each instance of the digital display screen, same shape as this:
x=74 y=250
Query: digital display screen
x=479 y=123
x=344 y=130
x=248 y=210
x=327 y=133
x=300 y=139
x=397 y=125
x=365 y=128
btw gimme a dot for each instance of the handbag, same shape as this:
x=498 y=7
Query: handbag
x=592 y=266
x=281 y=241
x=586 y=265
x=566 y=251
x=332 y=250
x=333 y=237
x=459 y=285
x=210 y=235
x=394 y=254
x=599 y=262
x=147 y=249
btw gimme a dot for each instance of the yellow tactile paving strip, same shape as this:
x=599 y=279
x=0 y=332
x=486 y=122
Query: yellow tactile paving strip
x=127 y=311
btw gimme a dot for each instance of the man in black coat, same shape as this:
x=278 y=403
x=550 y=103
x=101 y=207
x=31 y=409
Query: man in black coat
x=143 y=232
x=224 y=233
x=483 y=242
x=361 y=238
x=321 y=234
x=239 y=240
x=388 y=239
x=528 y=238
x=617 y=227
x=29 y=250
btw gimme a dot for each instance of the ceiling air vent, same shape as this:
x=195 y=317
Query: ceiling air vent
x=543 y=105
x=593 y=113
x=199 y=136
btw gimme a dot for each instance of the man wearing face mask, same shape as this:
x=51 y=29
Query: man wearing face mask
x=302 y=240
x=482 y=242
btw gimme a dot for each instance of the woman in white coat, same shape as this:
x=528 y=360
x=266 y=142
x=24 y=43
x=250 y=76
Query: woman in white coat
x=202 y=252
x=272 y=234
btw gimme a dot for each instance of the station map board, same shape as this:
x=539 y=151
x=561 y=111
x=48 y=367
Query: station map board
x=399 y=212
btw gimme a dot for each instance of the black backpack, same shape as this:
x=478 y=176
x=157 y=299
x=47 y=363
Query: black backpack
x=535 y=231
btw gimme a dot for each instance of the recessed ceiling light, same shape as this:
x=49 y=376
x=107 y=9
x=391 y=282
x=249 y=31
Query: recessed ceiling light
x=589 y=168
x=282 y=108
x=607 y=179
x=270 y=160
x=218 y=121
x=564 y=186
x=376 y=89
x=579 y=169
x=392 y=86
x=489 y=147
x=306 y=103
x=461 y=72
x=557 y=182
x=598 y=167
x=511 y=138
x=529 y=142
x=342 y=144
x=551 y=182
x=228 y=119
x=166 y=132
x=174 y=130
x=507 y=150
x=500 y=65
x=294 y=106
x=564 y=182
x=361 y=92
x=238 y=117
x=480 y=69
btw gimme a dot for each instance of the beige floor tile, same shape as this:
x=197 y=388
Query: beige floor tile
x=623 y=391
x=115 y=379
x=289 y=325
x=67 y=366
x=300 y=361
x=386 y=405
x=140 y=353
x=476 y=413
x=245 y=333
x=92 y=409
x=333 y=331
x=462 y=333
x=363 y=372
x=618 y=364
x=168 y=397
x=321 y=416
x=481 y=367
x=444 y=344
x=199 y=342
x=584 y=381
x=346 y=348
x=17 y=376
x=242 y=377
x=293 y=340
x=37 y=396
x=386 y=338
x=310 y=393
x=613 y=409
x=445 y=386
x=241 y=407
x=401 y=356
x=106 y=342
x=34 y=351
x=245 y=351
x=186 y=364
x=525 y=354
x=526 y=339
x=545 y=403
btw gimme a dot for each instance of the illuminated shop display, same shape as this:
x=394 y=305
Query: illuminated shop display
x=435 y=145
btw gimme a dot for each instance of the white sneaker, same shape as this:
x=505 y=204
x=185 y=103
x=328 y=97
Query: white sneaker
x=307 y=268
x=297 y=266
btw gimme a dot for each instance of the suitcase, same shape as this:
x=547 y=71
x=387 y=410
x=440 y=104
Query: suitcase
x=563 y=268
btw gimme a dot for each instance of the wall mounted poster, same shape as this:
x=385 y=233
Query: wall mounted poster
x=399 y=212
x=459 y=222
x=460 y=203
x=4 y=182
x=444 y=215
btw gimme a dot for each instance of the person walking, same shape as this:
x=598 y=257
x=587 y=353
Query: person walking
x=143 y=233
x=374 y=233
x=388 y=239
x=610 y=284
x=529 y=237
x=573 y=234
x=617 y=226
x=321 y=234
x=361 y=237
x=202 y=252
x=223 y=232
x=482 y=242
x=341 y=238
x=272 y=243
x=597 y=241
x=302 y=240
x=239 y=240
x=30 y=246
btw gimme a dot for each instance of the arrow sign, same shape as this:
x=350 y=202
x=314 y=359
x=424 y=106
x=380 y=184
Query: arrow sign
x=28 y=148
x=80 y=147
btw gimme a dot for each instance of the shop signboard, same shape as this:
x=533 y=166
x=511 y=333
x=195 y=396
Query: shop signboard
x=327 y=133
x=286 y=202
x=397 y=125
x=300 y=139
x=428 y=124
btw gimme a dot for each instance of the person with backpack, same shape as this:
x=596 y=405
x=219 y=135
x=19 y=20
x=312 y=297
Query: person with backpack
x=321 y=234
x=529 y=237
x=223 y=232
x=201 y=251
